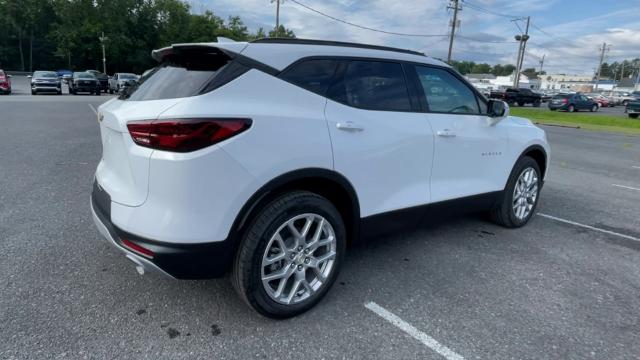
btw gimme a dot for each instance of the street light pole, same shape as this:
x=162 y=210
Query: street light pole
x=104 y=57
x=455 y=7
x=277 y=15
x=523 y=45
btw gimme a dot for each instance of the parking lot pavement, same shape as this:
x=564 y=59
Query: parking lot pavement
x=614 y=111
x=550 y=290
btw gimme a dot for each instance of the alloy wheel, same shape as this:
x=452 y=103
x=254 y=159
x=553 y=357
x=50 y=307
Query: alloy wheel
x=298 y=259
x=525 y=193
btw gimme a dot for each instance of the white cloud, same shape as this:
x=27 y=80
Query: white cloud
x=578 y=53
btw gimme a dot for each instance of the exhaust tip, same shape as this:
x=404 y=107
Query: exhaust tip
x=139 y=266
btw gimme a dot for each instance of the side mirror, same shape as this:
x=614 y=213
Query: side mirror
x=497 y=110
x=29 y=76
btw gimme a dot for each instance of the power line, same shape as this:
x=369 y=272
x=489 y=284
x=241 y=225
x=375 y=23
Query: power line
x=362 y=26
x=487 y=11
x=485 y=41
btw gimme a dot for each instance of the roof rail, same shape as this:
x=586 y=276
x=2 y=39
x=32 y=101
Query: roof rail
x=332 y=43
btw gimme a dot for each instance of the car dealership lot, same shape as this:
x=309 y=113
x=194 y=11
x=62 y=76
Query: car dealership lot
x=549 y=290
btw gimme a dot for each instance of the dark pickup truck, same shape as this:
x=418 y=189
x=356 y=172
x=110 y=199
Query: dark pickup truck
x=517 y=96
x=633 y=109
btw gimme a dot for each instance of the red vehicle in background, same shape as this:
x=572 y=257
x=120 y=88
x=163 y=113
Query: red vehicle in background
x=5 y=83
x=602 y=100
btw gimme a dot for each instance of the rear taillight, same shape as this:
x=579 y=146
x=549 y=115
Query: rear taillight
x=184 y=135
x=564 y=101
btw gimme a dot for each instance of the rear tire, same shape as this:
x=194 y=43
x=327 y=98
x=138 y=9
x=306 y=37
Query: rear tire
x=521 y=104
x=571 y=108
x=508 y=211
x=536 y=103
x=633 y=116
x=594 y=108
x=270 y=231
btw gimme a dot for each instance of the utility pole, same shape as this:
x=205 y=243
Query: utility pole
x=277 y=15
x=523 y=45
x=104 y=58
x=602 y=51
x=453 y=5
x=542 y=62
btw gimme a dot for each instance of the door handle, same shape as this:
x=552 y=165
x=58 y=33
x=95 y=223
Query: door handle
x=349 y=126
x=446 y=133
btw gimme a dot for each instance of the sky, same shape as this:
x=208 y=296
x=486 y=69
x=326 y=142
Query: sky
x=569 y=33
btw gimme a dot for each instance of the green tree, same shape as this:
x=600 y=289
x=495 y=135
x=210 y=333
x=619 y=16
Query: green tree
x=282 y=33
x=481 y=69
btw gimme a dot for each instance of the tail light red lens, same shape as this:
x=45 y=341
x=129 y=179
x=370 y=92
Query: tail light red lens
x=137 y=248
x=184 y=135
x=565 y=100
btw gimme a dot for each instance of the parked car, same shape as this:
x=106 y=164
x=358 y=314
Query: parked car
x=572 y=103
x=45 y=81
x=84 y=82
x=121 y=80
x=518 y=96
x=102 y=78
x=266 y=158
x=5 y=83
x=602 y=100
x=64 y=74
x=544 y=96
x=621 y=97
x=633 y=109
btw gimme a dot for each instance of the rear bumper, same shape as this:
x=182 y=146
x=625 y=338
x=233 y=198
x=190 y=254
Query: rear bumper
x=181 y=261
x=558 y=106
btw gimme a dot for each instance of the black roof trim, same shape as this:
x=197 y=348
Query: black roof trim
x=332 y=43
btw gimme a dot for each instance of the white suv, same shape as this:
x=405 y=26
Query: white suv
x=266 y=158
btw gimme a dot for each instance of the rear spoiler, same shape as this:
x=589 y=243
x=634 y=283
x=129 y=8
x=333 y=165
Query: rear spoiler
x=226 y=46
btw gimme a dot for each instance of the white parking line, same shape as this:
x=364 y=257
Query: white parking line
x=625 y=187
x=635 y=167
x=589 y=227
x=93 y=109
x=415 y=333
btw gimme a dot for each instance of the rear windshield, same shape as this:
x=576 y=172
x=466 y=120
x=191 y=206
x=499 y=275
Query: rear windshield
x=127 y=76
x=181 y=75
x=561 y=96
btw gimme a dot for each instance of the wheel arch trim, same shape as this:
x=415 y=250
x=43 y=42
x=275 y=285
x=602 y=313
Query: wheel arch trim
x=290 y=178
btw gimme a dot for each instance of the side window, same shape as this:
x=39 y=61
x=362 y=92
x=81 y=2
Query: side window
x=372 y=85
x=313 y=75
x=445 y=93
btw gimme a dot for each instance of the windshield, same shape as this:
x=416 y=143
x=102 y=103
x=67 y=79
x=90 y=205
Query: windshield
x=83 y=76
x=45 y=74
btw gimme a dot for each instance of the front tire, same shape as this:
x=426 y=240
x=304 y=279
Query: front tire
x=571 y=108
x=594 y=108
x=290 y=255
x=633 y=116
x=520 y=197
